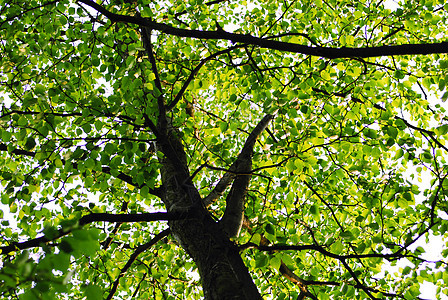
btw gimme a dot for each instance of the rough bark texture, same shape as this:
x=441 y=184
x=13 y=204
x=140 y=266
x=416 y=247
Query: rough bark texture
x=222 y=271
x=242 y=169
x=233 y=216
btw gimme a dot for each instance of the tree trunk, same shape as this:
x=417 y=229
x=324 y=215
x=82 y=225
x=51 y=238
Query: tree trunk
x=223 y=273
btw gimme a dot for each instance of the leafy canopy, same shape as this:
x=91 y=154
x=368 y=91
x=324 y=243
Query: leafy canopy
x=349 y=176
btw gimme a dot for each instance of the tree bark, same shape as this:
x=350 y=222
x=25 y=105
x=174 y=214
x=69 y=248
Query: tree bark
x=222 y=270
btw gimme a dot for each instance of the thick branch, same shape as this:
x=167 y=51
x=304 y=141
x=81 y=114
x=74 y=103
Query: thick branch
x=94 y=217
x=146 y=39
x=233 y=215
x=332 y=53
x=221 y=186
x=245 y=154
x=130 y=218
x=285 y=271
x=390 y=257
x=4 y=147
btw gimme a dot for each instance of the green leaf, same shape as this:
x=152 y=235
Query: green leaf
x=290 y=166
x=392 y=131
x=400 y=124
x=61 y=261
x=314 y=210
x=288 y=260
x=93 y=292
x=256 y=239
x=110 y=148
x=403 y=203
x=442 y=130
x=347 y=235
x=304 y=109
x=325 y=75
x=261 y=261
x=39 y=89
x=337 y=247
x=275 y=262
x=270 y=229
x=30 y=143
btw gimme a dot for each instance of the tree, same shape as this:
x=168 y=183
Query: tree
x=283 y=148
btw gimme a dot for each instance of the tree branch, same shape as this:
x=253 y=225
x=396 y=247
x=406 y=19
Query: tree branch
x=4 y=147
x=234 y=213
x=286 y=272
x=126 y=178
x=193 y=74
x=227 y=178
x=244 y=155
x=146 y=39
x=108 y=241
x=134 y=256
x=327 y=52
x=10 y=18
x=326 y=204
x=359 y=283
x=94 y=217
x=233 y=216
x=33 y=113
x=280 y=247
x=131 y=218
x=425 y=132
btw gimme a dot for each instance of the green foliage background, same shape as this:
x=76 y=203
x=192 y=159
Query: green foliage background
x=338 y=170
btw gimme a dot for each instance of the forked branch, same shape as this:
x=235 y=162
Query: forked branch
x=240 y=172
x=245 y=154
